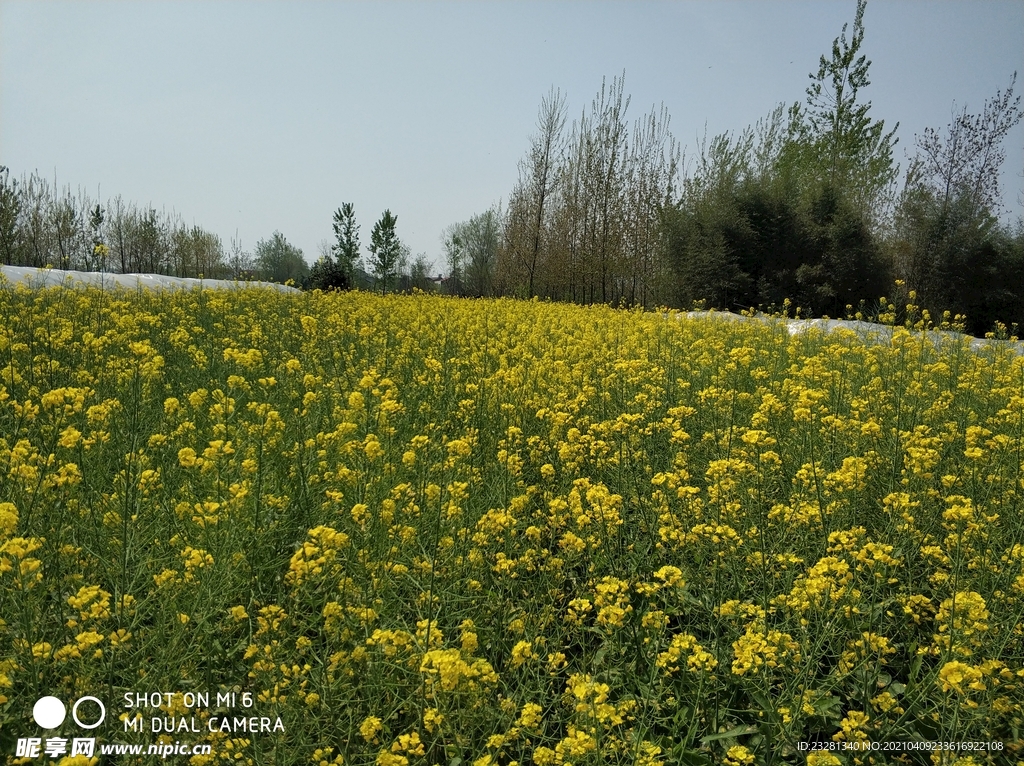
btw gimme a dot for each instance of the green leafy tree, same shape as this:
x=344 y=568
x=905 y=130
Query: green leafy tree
x=740 y=237
x=789 y=209
x=279 y=261
x=712 y=246
x=346 y=246
x=833 y=140
x=325 y=275
x=385 y=250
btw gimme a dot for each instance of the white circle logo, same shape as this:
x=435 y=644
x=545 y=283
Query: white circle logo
x=49 y=712
x=74 y=713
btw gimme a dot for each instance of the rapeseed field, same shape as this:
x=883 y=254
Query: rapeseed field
x=419 y=530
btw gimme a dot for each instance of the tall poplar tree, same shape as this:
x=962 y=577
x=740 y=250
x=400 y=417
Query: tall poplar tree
x=531 y=199
x=346 y=246
x=385 y=250
x=833 y=138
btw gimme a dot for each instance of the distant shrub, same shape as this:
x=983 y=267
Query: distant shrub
x=326 y=275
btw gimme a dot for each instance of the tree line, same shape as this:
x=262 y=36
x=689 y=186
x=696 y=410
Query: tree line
x=44 y=225
x=803 y=208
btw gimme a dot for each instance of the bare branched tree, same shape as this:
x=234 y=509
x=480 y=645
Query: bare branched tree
x=531 y=199
x=968 y=158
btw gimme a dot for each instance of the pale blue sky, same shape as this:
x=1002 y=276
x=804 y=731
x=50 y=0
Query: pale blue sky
x=256 y=116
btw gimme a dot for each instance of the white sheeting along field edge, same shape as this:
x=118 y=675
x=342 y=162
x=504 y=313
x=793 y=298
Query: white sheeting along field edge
x=49 y=277
x=866 y=331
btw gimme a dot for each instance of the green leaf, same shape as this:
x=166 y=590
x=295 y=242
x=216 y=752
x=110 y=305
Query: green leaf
x=827 y=707
x=737 y=731
x=684 y=713
x=915 y=666
x=693 y=758
x=763 y=701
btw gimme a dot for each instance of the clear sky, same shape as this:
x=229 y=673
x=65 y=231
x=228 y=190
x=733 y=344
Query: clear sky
x=262 y=116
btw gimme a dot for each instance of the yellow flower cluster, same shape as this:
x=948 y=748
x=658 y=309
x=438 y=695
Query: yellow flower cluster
x=757 y=649
x=685 y=645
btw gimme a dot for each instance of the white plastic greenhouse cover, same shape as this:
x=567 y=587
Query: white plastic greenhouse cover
x=47 y=277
